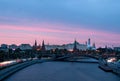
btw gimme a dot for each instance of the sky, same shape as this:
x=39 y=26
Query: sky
x=60 y=21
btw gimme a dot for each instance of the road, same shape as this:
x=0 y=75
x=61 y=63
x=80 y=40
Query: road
x=63 y=71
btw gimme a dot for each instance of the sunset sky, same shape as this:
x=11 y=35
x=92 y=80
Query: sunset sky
x=60 y=21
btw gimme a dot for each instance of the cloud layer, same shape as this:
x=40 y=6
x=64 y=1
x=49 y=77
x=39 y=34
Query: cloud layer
x=60 y=21
x=54 y=34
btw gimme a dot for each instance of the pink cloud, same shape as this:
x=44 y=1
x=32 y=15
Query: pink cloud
x=53 y=33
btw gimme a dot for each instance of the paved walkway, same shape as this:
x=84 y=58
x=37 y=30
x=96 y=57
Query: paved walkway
x=63 y=71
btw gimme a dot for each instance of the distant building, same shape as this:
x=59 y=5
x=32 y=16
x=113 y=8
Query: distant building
x=4 y=47
x=49 y=47
x=86 y=43
x=75 y=46
x=117 y=49
x=38 y=47
x=89 y=44
x=43 y=46
x=25 y=47
x=93 y=46
x=70 y=47
x=35 y=45
x=13 y=46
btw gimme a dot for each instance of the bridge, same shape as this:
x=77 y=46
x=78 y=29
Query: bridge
x=49 y=70
x=71 y=56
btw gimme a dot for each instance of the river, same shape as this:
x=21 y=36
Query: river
x=63 y=71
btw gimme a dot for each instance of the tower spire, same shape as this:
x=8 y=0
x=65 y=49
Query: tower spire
x=75 y=45
x=35 y=43
x=94 y=46
x=43 y=46
x=89 y=42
